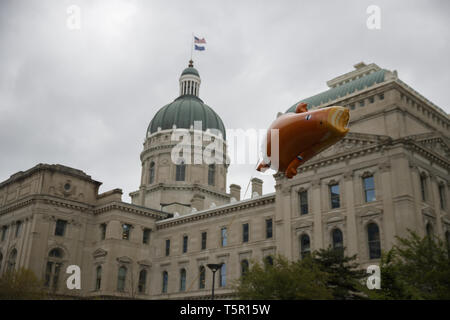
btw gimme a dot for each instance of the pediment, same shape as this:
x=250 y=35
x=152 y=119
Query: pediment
x=99 y=253
x=435 y=142
x=351 y=142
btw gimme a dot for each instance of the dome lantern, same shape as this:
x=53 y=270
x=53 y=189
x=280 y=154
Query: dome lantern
x=190 y=81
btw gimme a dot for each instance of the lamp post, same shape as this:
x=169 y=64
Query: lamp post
x=214 y=267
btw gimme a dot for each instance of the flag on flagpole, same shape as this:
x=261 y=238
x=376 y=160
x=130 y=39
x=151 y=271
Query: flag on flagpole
x=199 y=44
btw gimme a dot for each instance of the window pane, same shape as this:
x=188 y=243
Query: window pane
x=202 y=278
x=142 y=281
x=204 y=240
x=304 y=202
x=223 y=275
x=185 y=244
x=269 y=228
x=126 y=231
x=165 y=281
x=304 y=245
x=167 y=247
x=338 y=241
x=224 y=237
x=374 y=241
x=245 y=232
x=146 y=236
x=334 y=194
x=60 y=227
x=183 y=280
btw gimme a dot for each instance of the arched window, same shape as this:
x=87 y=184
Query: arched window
x=121 y=278
x=142 y=281
x=373 y=235
x=183 y=279
x=53 y=268
x=244 y=267
x=98 y=278
x=202 y=278
x=223 y=275
x=211 y=174
x=165 y=281
x=180 y=171
x=152 y=172
x=338 y=239
x=429 y=228
x=305 y=245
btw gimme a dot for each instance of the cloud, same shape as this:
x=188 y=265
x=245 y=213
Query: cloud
x=84 y=98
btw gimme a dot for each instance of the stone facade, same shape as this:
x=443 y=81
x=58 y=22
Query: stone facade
x=389 y=174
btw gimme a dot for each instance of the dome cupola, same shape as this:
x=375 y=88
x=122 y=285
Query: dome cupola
x=187 y=108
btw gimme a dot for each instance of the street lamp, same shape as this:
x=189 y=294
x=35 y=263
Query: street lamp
x=214 y=267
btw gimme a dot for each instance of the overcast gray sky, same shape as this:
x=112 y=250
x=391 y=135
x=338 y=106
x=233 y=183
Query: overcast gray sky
x=84 y=98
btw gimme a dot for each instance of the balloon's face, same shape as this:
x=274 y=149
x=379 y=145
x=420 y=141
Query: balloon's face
x=300 y=136
x=337 y=120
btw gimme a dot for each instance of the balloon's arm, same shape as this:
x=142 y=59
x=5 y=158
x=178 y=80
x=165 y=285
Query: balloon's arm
x=262 y=166
x=292 y=167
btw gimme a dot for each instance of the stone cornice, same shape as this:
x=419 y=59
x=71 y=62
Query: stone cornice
x=192 y=187
x=429 y=154
x=126 y=207
x=218 y=211
x=46 y=199
x=82 y=207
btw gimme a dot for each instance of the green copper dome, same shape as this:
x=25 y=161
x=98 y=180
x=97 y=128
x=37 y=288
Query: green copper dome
x=183 y=112
x=342 y=90
x=190 y=70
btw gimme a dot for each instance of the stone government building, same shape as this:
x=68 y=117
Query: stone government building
x=389 y=174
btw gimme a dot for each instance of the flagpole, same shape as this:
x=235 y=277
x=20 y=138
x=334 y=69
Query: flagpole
x=192 y=44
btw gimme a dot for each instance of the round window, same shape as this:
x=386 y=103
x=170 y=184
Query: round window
x=67 y=186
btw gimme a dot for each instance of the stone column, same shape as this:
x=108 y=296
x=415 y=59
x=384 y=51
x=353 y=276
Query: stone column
x=434 y=197
x=351 y=238
x=316 y=211
x=385 y=193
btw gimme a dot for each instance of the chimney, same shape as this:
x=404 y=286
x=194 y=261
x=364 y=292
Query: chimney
x=256 y=187
x=198 y=202
x=235 y=191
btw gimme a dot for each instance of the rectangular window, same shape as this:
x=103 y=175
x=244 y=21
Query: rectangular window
x=167 y=247
x=423 y=187
x=352 y=106
x=185 y=244
x=18 y=228
x=245 y=232
x=60 y=228
x=371 y=100
x=103 y=231
x=269 y=228
x=126 y=231
x=204 y=235
x=334 y=196
x=223 y=233
x=369 y=189
x=146 y=236
x=361 y=103
x=223 y=275
x=381 y=96
x=303 y=196
x=442 y=196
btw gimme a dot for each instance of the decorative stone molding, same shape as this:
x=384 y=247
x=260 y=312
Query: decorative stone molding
x=145 y=263
x=384 y=166
x=429 y=212
x=99 y=253
x=370 y=211
x=348 y=175
x=125 y=260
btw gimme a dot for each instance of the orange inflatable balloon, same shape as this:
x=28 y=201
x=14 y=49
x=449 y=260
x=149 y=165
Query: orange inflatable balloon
x=302 y=135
